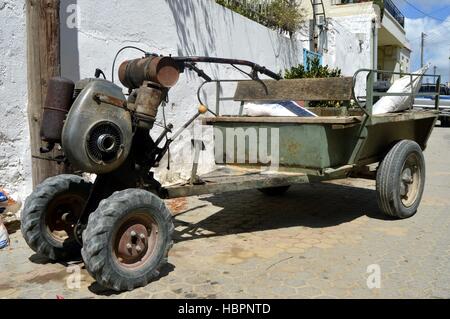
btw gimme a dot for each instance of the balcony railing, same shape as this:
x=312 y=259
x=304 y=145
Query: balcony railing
x=386 y=5
x=390 y=7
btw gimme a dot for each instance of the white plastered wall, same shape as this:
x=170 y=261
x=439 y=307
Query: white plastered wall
x=15 y=158
x=177 y=27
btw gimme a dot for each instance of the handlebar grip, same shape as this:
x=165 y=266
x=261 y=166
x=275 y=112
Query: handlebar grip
x=269 y=73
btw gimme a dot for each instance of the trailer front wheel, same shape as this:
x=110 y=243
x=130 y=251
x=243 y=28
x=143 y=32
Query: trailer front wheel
x=401 y=180
x=127 y=239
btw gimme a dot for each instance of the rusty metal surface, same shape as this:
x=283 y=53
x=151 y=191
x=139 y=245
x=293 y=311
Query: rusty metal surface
x=161 y=70
x=111 y=100
x=135 y=240
x=149 y=97
x=57 y=104
x=62 y=213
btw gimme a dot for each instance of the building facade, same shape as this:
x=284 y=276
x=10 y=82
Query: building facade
x=378 y=26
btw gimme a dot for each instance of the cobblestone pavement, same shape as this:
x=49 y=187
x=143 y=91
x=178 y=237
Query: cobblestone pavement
x=317 y=241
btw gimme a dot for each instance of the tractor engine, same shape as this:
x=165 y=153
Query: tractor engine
x=97 y=134
x=93 y=120
x=119 y=224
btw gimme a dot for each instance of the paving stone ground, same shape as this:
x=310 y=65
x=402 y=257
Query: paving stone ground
x=317 y=241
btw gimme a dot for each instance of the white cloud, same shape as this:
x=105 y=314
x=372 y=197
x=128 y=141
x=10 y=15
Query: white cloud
x=437 y=42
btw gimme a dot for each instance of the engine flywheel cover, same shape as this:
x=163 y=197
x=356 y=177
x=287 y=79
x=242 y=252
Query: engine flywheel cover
x=104 y=142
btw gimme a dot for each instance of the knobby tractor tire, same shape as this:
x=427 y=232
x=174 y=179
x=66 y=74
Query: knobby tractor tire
x=401 y=179
x=110 y=252
x=50 y=214
x=274 y=191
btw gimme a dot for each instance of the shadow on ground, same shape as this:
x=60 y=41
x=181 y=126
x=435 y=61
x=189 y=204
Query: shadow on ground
x=315 y=206
x=311 y=205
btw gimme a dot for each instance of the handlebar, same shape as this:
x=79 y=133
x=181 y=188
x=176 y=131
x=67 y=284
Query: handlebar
x=189 y=62
x=269 y=73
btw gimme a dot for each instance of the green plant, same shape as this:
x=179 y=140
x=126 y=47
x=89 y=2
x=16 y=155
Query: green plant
x=282 y=15
x=315 y=70
x=286 y=15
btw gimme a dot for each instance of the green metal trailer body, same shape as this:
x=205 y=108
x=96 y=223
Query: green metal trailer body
x=314 y=146
x=385 y=130
x=318 y=143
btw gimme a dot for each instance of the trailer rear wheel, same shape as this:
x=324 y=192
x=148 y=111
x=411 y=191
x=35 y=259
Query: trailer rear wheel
x=274 y=191
x=401 y=180
x=50 y=214
x=127 y=239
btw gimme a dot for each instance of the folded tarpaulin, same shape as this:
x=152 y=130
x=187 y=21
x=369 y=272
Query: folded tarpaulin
x=277 y=108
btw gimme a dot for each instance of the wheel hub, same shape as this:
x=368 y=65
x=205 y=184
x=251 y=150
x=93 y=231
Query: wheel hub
x=62 y=213
x=135 y=241
x=410 y=181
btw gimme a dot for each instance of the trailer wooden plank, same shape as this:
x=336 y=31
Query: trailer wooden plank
x=230 y=179
x=412 y=115
x=284 y=120
x=323 y=89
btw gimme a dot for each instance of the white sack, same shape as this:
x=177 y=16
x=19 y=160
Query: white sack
x=276 y=108
x=388 y=104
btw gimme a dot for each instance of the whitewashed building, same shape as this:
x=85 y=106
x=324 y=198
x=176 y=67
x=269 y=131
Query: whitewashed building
x=379 y=34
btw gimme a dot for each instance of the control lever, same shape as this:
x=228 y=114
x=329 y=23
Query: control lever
x=200 y=72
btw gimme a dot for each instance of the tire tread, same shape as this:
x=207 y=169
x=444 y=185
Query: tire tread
x=95 y=239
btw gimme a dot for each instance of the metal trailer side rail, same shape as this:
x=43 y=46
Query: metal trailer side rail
x=367 y=107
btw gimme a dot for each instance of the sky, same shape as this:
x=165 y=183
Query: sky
x=437 y=42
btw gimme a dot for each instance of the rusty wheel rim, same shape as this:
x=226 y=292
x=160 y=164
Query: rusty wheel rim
x=410 y=180
x=135 y=241
x=62 y=215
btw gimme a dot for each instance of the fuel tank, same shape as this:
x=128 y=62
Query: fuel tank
x=57 y=104
x=97 y=134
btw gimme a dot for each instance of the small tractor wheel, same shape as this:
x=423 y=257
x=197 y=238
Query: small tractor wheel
x=127 y=239
x=274 y=191
x=50 y=214
x=401 y=180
